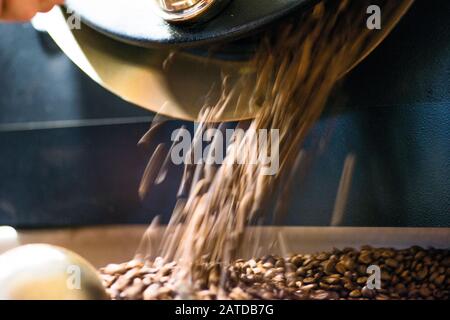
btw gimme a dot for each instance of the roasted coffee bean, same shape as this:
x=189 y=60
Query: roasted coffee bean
x=382 y=297
x=301 y=271
x=279 y=270
x=320 y=295
x=328 y=267
x=290 y=267
x=421 y=273
x=328 y=275
x=309 y=280
x=279 y=263
x=323 y=256
x=340 y=267
x=361 y=280
x=368 y=293
x=334 y=279
x=115 y=269
x=269 y=274
x=349 y=263
x=355 y=294
x=365 y=258
x=439 y=280
x=385 y=276
x=391 y=263
x=425 y=292
x=387 y=253
x=297 y=260
x=401 y=289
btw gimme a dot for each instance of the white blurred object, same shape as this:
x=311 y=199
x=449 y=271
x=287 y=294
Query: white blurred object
x=39 y=22
x=45 y=272
x=8 y=238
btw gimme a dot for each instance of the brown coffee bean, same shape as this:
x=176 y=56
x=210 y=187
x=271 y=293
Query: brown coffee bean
x=269 y=274
x=376 y=254
x=355 y=294
x=420 y=255
x=392 y=263
x=332 y=279
x=440 y=280
x=368 y=293
x=133 y=292
x=323 y=256
x=340 y=267
x=400 y=269
x=425 y=292
x=365 y=258
x=297 y=260
x=121 y=283
x=309 y=287
x=438 y=294
x=405 y=274
x=382 y=297
x=361 y=280
x=350 y=286
x=388 y=253
x=421 y=273
x=135 y=263
x=309 y=280
x=115 y=269
x=349 y=263
x=267 y=296
x=290 y=267
x=301 y=271
x=108 y=279
x=280 y=263
x=349 y=275
x=328 y=267
x=385 y=276
x=324 y=286
x=279 y=278
x=320 y=295
x=279 y=270
x=328 y=275
x=401 y=289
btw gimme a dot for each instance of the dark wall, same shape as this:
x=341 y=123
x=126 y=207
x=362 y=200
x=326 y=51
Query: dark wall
x=68 y=152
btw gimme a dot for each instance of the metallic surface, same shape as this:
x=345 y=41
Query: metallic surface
x=137 y=74
x=177 y=5
x=181 y=11
x=44 y=272
x=137 y=22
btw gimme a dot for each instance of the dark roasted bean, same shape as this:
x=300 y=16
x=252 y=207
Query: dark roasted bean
x=328 y=275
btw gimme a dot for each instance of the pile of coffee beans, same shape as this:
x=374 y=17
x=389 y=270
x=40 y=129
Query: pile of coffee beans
x=368 y=273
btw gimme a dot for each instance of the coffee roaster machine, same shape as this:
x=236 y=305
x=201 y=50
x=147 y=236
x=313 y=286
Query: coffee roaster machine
x=123 y=46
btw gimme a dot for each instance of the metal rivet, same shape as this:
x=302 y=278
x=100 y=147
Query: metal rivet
x=189 y=10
